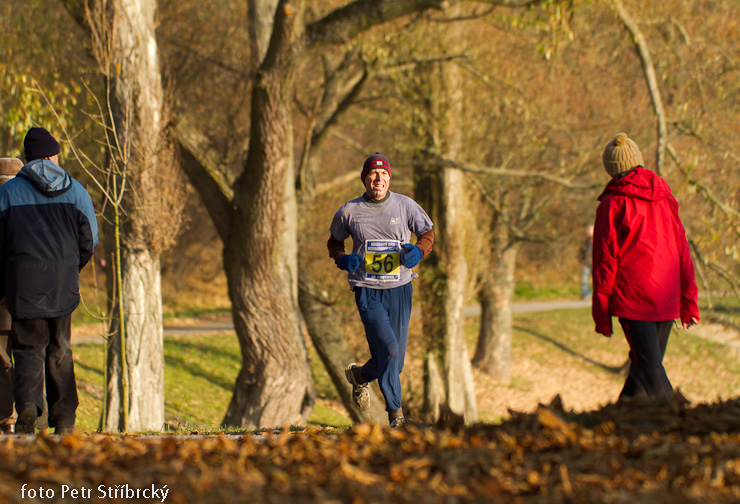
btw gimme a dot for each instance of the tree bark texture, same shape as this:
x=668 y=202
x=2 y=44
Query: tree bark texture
x=435 y=391
x=442 y=193
x=444 y=296
x=493 y=351
x=261 y=17
x=142 y=303
x=274 y=386
x=139 y=149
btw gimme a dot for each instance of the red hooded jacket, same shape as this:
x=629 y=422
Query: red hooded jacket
x=642 y=268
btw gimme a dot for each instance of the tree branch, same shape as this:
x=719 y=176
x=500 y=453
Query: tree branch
x=78 y=10
x=454 y=19
x=344 y=84
x=343 y=24
x=203 y=168
x=340 y=181
x=206 y=59
x=652 y=81
x=706 y=193
x=505 y=172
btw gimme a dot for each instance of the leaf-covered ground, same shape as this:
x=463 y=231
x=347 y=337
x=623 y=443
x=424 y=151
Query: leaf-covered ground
x=621 y=453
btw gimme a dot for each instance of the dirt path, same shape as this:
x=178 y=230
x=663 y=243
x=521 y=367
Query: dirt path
x=223 y=323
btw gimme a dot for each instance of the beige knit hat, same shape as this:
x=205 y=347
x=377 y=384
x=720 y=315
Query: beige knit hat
x=9 y=167
x=621 y=155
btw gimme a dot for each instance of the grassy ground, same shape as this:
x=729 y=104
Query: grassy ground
x=554 y=353
x=557 y=353
x=200 y=372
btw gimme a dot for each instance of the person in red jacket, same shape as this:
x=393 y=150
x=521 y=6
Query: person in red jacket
x=642 y=268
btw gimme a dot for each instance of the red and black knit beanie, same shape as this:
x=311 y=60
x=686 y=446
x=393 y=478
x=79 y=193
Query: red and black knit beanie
x=376 y=160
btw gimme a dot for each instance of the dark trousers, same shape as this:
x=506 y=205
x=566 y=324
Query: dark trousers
x=385 y=314
x=7 y=411
x=42 y=352
x=647 y=376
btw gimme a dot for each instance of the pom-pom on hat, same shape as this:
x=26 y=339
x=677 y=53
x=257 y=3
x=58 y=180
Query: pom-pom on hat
x=376 y=160
x=39 y=144
x=621 y=155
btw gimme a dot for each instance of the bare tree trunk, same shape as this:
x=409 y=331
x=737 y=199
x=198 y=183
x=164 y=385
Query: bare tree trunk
x=442 y=193
x=142 y=303
x=435 y=391
x=261 y=17
x=257 y=226
x=274 y=386
x=486 y=300
x=124 y=45
x=493 y=351
x=287 y=246
x=458 y=370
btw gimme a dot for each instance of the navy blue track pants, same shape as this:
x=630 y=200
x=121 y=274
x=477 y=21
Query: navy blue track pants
x=385 y=313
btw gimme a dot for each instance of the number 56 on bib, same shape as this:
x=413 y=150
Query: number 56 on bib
x=382 y=260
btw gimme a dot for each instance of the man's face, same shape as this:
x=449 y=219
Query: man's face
x=377 y=182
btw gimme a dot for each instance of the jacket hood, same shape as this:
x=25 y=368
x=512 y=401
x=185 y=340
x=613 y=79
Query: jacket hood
x=48 y=177
x=638 y=183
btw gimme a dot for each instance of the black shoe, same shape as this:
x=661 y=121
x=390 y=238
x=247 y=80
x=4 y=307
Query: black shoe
x=25 y=424
x=64 y=428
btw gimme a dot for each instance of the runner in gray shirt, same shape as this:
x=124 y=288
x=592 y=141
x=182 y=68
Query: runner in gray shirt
x=380 y=224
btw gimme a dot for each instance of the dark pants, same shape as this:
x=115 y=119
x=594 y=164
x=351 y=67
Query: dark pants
x=385 y=314
x=7 y=411
x=647 y=376
x=42 y=353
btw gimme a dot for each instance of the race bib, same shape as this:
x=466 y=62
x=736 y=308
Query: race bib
x=382 y=260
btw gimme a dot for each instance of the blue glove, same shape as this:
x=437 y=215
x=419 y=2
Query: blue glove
x=349 y=262
x=411 y=256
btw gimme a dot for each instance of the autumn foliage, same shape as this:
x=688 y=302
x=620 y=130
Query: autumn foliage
x=635 y=452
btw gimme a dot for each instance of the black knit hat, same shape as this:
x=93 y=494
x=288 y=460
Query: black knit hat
x=39 y=144
x=376 y=160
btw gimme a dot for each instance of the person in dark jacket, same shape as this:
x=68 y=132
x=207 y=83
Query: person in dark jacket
x=48 y=232
x=643 y=273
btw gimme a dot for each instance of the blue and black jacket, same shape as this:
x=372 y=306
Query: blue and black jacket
x=48 y=232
